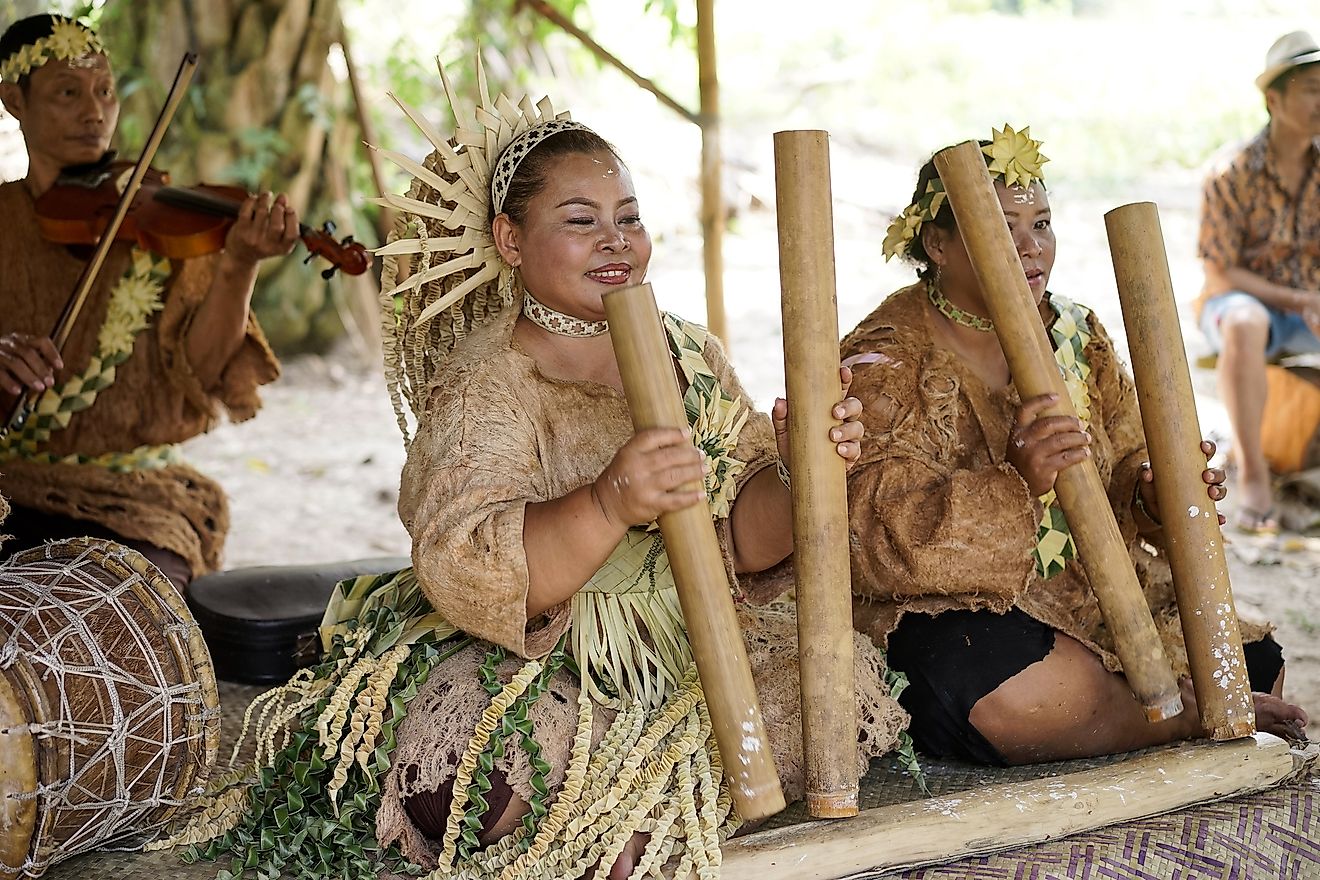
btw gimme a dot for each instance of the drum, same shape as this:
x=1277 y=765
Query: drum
x=109 y=716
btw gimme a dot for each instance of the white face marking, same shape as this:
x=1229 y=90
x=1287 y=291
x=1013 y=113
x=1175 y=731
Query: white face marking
x=1023 y=196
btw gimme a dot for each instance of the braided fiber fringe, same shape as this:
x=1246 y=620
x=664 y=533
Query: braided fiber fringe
x=307 y=804
x=654 y=773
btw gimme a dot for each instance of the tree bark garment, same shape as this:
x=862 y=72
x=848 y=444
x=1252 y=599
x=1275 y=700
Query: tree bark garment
x=941 y=520
x=156 y=397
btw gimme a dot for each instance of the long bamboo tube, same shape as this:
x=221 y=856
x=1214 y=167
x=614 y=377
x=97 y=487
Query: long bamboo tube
x=694 y=556
x=1100 y=546
x=1173 y=435
x=820 y=492
x=714 y=213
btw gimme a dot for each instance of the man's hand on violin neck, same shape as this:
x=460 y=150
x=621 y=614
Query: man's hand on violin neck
x=265 y=227
x=27 y=363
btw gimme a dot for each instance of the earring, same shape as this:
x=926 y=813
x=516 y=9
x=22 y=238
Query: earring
x=508 y=282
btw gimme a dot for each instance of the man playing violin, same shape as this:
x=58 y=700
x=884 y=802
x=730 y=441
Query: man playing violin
x=158 y=350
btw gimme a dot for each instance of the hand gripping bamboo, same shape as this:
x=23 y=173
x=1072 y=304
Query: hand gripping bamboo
x=694 y=553
x=1173 y=436
x=820 y=491
x=1100 y=546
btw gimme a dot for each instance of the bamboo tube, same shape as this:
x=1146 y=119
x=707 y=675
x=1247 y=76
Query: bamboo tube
x=650 y=385
x=820 y=491
x=1100 y=546
x=1173 y=436
x=714 y=213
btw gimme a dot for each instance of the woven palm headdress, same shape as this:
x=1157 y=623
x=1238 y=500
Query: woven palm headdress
x=442 y=275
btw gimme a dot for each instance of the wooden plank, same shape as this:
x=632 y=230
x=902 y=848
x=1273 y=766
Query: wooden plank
x=1002 y=817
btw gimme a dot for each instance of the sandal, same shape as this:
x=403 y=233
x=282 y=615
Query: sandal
x=1255 y=522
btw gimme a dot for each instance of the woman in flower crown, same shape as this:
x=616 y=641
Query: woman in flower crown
x=522 y=702
x=962 y=563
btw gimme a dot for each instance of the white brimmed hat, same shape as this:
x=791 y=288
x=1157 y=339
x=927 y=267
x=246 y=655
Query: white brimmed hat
x=1289 y=51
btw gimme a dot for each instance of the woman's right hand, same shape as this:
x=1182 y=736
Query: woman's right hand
x=1041 y=446
x=27 y=363
x=649 y=476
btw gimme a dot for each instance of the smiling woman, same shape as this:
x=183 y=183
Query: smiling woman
x=529 y=688
x=572 y=234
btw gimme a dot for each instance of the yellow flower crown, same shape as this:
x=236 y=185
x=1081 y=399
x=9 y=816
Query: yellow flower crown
x=1014 y=158
x=68 y=41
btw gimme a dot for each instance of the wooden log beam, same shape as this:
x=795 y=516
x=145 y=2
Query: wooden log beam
x=1192 y=537
x=649 y=383
x=1100 y=546
x=995 y=818
x=820 y=492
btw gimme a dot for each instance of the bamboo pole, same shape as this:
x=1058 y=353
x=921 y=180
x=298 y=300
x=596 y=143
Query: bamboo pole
x=713 y=210
x=649 y=383
x=1085 y=503
x=820 y=492
x=1173 y=436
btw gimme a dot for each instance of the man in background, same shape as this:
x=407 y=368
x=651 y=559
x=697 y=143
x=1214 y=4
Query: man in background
x=1260 y=247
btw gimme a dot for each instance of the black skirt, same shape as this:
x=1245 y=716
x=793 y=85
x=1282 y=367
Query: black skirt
x=955 y=658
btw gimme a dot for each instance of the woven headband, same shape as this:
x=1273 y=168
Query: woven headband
x=67 y=41
x=516 y=151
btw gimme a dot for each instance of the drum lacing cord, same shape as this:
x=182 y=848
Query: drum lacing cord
x=67 y=595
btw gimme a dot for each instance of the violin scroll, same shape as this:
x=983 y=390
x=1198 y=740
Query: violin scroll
x=345 y=254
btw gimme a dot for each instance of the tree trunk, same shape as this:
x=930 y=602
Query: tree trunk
x=266 y=108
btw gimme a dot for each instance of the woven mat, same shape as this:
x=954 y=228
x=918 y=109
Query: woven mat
x=1269 y=834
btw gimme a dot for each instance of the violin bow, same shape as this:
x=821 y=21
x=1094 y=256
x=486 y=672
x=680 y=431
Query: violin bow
x=64 y=326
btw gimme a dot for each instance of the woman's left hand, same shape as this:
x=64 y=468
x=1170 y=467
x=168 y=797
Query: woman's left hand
x=1212 y=477
x=846 y=437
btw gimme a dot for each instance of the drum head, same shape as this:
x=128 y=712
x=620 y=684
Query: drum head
x=18 y=781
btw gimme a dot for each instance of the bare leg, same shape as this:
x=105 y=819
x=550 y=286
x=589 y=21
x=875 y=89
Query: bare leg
x=1245 y=330
x=1069 y=706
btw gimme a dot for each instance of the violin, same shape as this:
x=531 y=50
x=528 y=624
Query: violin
x=171 y=221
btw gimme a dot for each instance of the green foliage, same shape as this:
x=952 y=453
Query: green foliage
x=259 y=152
x=679 y=30
x=515 y=722
x=291 y=826
x=906 y=751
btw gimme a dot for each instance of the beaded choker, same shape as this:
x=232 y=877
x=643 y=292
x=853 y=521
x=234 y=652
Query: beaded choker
x=955 y=314
x=557 y=322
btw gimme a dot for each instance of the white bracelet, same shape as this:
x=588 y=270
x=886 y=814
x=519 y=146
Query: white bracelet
x=782 y=470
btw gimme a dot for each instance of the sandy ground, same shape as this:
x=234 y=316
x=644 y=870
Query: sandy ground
x=315 y=476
